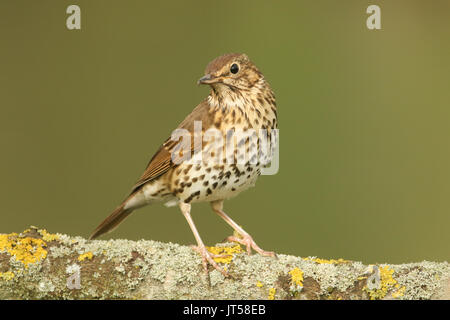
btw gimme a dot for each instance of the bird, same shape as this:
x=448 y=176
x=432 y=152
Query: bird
x=240 y=100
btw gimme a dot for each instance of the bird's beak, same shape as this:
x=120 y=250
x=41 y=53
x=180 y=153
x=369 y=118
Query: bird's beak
x=207 y=79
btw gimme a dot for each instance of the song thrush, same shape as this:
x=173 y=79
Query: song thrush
x=240 y=100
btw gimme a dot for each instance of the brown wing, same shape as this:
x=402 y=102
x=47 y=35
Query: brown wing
x=162 y=160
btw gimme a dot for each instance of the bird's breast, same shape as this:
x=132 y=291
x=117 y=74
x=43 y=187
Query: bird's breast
x=234 y=148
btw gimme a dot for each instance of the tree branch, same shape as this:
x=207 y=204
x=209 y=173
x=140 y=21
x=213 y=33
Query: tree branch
x=35 y=264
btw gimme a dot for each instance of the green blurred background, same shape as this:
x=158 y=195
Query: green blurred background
x=364 y=119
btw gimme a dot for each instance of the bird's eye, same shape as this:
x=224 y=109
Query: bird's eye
x=234 y=68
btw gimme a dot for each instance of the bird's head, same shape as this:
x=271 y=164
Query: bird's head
x=231 y=71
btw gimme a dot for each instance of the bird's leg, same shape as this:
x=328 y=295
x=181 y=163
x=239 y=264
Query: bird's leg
x=200 y=248
x=246 y=239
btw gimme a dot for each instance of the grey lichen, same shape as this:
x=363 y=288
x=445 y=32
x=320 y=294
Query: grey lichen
x=124 y=269
x=423 y=280
x=46 y=286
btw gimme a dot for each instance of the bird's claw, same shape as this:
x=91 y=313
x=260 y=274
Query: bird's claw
x=208 y=257
x=250 y=244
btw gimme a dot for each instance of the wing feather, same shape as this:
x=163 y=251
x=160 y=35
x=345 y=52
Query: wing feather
x=162 y=162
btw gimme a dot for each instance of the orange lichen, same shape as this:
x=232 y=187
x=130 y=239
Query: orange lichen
x=296 y=283
x=272 y=292
x=326 y=261
x=46 y=236
x=8 y=275
x=296 y=276
x=227 y=253
x=26 y=250
x=84 y=256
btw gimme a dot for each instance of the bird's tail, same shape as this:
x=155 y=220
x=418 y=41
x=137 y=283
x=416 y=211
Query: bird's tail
x=113 y=220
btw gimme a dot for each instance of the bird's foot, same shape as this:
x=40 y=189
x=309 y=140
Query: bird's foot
x=209 y=257
x=248 y=241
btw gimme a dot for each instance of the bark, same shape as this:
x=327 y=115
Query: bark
x=35 y=264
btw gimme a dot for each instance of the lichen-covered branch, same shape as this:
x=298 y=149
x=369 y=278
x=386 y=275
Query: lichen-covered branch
x=35 y=264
